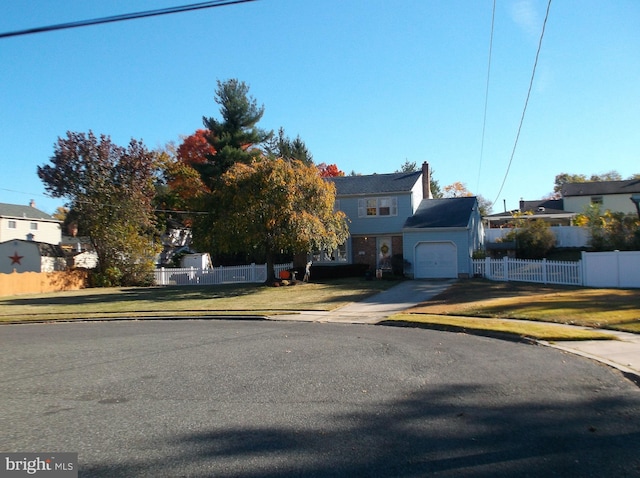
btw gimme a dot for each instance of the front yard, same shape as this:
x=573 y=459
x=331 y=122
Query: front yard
x=617 y=309
x=193 y=301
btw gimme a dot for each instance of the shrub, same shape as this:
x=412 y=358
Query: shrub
x=533 y=239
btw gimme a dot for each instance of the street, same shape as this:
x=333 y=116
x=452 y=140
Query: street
x=266 y=399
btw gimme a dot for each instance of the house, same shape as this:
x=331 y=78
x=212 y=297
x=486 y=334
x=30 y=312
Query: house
x=615 y=196
x=28 y=223
x=549 y=210
x=382 y=235
x=20 y=255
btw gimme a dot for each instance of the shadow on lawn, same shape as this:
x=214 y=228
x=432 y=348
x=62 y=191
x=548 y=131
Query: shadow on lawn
x=452 y=430
x=151 y=294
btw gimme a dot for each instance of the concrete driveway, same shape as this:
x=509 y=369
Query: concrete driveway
x=272 y=399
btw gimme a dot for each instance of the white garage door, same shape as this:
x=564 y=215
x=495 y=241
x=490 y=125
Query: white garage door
x=436 y=260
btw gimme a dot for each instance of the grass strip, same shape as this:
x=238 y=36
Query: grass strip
x=517 y=328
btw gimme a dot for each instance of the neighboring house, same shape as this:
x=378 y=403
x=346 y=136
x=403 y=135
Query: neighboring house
x=30 y=256
x=549 y=210
x=497 y=226
x=440 y=238
x=380 y=208
x=28 y=223
x=610 y=195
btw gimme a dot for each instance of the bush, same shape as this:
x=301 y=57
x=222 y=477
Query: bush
x=321 y=272
x=533 y=239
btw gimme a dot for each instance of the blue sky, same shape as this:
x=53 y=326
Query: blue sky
x=367 y=84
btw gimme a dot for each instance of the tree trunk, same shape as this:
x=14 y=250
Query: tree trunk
x=271 y=271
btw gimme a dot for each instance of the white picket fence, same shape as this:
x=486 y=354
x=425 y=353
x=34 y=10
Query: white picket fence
x=251 y=273
x=543 y=271
x=595 y=269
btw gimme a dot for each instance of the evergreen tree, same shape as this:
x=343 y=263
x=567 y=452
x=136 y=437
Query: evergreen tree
x=235 y=138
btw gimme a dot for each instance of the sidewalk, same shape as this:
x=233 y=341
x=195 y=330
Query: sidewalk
x=623 y=354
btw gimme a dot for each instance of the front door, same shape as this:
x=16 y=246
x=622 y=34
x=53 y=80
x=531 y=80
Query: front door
x=384 y=252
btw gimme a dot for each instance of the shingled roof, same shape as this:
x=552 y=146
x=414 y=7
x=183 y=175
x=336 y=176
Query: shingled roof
x=375 y=183
x=449 y=212
x=597 y=188
x=23 y=212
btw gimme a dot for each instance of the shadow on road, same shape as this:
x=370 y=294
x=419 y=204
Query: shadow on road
x=448 y=431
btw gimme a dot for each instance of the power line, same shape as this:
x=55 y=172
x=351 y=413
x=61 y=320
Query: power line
x=126 y=16
x=486 y=94
x=533 y=73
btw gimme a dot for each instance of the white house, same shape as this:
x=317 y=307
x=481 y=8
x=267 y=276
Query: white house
x=28 y=223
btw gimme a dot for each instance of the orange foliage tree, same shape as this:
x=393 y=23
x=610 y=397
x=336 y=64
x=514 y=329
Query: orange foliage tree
x=329 y=170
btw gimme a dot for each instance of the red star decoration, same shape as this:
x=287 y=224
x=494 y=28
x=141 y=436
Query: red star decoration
x=15 y=258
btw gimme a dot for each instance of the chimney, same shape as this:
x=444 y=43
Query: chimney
x=32 y=203
x=426 y=181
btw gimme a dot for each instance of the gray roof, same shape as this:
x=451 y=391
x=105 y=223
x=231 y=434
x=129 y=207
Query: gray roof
x=26 y=212
x=375 y=183
x=46 y=249
x=448 y=212
x=597 y=188
x=540 y=207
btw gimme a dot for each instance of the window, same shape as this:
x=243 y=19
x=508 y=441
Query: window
x=596 y=199
x=372 y=207
x=12 y=224
x=33 y=226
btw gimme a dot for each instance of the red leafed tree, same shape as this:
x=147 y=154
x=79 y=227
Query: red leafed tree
x=329 y=170
x=195 y=149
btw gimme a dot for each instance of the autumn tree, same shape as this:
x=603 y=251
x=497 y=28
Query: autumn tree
x=195 y=148
x=235 y=137
x=329 y=170
x=269 y=206
x=109 y=190
x=610 y=230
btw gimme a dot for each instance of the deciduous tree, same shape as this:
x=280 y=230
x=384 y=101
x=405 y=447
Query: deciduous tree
x=271 y=206
x=533 y=237
x=329 y=170
x=110 y=190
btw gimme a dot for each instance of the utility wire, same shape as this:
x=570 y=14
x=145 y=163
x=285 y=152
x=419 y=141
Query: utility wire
x=126 y=16
x=486 y=95
x=533 y=73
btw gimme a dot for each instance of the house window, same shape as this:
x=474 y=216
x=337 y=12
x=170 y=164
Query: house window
x=596 y=199
x=33 y=226
x=372 y=207
x=12 y=224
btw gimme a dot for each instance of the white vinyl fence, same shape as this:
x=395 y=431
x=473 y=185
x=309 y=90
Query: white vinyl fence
x=612 y=269
x=596 y=269
x=252 y=273
x=544 y=271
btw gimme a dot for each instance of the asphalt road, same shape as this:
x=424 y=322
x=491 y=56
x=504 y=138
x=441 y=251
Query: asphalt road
x=266 y=399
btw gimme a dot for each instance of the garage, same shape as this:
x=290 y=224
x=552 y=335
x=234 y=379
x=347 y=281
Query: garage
x=436 y=260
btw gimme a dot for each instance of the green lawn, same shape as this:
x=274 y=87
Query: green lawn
x=242 y=299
